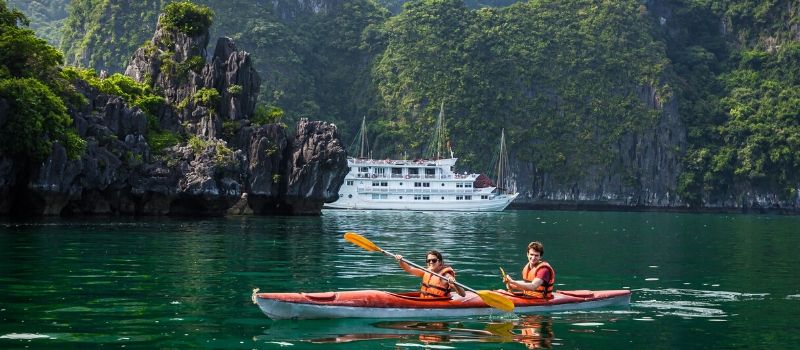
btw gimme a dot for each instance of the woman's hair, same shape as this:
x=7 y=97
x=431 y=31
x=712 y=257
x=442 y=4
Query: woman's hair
x=435 y=252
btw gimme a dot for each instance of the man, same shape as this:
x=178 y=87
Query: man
x=538 y=277
x=433 y=286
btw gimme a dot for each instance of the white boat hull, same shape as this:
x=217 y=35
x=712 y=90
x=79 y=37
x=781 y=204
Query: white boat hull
x=498 y=203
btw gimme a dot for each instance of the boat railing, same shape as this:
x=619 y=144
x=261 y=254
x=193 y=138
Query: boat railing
x=410 y=176
x=416 y=190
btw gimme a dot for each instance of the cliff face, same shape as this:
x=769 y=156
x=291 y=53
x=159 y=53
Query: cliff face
x=642 y=173
x=257 y=169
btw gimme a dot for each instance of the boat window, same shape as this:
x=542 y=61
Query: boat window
x=468 y=184
x=417 y=197
x=459 y=184
x=467 y=198
x=413 y=171
x=349 y=182
x=458 y=198
x=349 y=196
x=384 y=184
x=426 y=184
x=426 y=197
x=484 y=197
x=380 y=171
x=376 y=183
x=397 y=172
x=430 y=173
x=363 y=169
x=418 y=184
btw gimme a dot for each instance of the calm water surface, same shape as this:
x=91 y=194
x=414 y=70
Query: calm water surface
x=698 y=281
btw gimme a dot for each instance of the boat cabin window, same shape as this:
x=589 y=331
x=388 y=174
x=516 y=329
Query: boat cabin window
x=468 y=184
x=363 y=169
x=375 y=183
x=397 y=172
x=430 y=172
x=484 y=197
x=384 y=184
x=349 y=182
x=459 y=184
x=467 y=198
x=380 y=171
x=413 y=172
x=458 y=198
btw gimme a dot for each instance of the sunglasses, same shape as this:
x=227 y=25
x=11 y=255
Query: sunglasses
x=432 y=261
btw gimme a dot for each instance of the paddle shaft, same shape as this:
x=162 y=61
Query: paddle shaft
x=428 y=271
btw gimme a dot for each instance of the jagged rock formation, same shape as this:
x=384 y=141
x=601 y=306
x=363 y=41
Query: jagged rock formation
x=643 y=173
x=259 y=170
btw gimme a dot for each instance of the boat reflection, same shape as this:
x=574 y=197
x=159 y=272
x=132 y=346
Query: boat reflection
x=533 y=331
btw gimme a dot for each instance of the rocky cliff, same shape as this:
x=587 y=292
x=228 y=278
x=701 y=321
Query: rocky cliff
x=642 y=173
x=258 y=169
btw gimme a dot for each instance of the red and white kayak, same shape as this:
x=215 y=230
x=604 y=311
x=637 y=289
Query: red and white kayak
x=381 y=304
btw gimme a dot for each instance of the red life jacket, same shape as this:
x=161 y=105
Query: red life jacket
x=435 y=287
x=545 y=290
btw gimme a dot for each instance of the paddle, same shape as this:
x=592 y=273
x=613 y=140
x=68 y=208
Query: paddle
x=492 y=299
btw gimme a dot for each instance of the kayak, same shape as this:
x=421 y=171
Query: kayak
x=382 y=304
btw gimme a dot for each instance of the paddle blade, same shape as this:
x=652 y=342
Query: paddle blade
x=361 y=241
x=496 y=301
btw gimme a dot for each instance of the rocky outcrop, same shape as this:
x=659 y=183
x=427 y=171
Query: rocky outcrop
x=256 y=170
x=643 y=173
x=315 y=166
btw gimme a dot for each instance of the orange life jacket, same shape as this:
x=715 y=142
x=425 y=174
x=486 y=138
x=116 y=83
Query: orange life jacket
x=433 y=286
x=545 y=290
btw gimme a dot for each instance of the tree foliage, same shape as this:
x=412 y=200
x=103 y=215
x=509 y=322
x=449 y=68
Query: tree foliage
x=187 y=17
x=563 y=78
x=35 y=116
x=740 y=101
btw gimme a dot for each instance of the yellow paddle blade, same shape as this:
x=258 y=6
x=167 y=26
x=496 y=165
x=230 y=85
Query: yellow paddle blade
x=496 y=301
x=361 y=241
x=503 y=273
x=504 y=329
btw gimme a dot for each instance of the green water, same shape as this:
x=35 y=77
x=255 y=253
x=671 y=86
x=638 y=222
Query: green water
x=698 y=281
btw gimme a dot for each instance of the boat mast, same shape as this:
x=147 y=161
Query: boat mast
x=438 y=138
x=503 y=169
x=363 y=136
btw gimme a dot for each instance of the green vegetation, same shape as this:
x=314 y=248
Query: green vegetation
x=223 y=155
x=561 y=77
x=568 y=80
x=37 y=118
x=29 y=83
x=46 y=17
x=188 y=18
x=266 y=115
x=137 y=94
x=103 y=34
x=207 y=97
x=739 y=100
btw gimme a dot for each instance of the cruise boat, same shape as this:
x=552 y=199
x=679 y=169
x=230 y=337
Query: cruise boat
x=422 y=184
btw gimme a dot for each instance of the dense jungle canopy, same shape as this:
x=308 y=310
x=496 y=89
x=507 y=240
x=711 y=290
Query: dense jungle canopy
x=567 y=80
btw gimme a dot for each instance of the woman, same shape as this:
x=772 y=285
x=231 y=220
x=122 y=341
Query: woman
x=434 y=286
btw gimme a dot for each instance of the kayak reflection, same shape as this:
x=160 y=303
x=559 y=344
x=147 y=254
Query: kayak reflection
x=533 y=331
